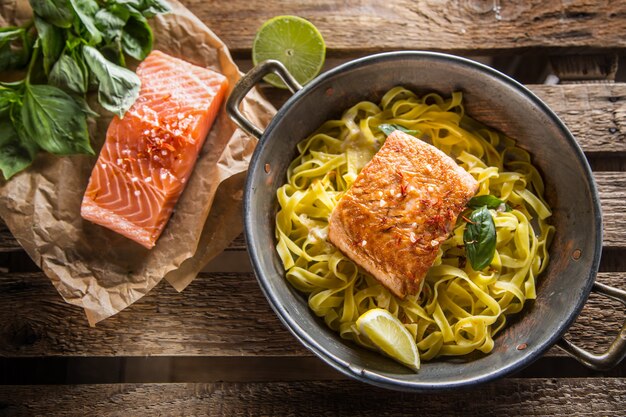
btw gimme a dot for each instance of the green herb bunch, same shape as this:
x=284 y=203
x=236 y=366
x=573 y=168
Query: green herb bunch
x=70 y=47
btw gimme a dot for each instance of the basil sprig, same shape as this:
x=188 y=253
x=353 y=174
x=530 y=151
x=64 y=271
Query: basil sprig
x=69 y=48
x=480 y=238
x=490 y=201
x=118 y=87
x=388 y=128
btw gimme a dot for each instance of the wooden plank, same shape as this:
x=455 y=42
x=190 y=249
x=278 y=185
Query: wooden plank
x=219 y=314
x=611 y=187
x=483 y=27
x=612 y=190
x=595 y=114
x=515 y=396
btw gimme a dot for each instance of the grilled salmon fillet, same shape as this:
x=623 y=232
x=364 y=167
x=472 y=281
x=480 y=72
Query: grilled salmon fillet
x=402 y=205
x=150 y=153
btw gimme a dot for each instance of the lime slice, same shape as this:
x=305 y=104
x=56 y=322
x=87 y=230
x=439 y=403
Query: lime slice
x=389 y=335
x=293 y=41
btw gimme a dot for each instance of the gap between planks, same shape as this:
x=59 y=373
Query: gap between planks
x=171 y=369
x=219 y=314
x=512 y=396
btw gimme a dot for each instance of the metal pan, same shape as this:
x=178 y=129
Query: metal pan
x=492 y=98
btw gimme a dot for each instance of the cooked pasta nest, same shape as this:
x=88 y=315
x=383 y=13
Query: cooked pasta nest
x=459 y=310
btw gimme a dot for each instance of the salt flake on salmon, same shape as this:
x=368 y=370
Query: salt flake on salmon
x=149 y=155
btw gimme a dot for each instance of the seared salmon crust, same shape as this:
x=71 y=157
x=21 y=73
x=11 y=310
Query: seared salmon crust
x=403 y=204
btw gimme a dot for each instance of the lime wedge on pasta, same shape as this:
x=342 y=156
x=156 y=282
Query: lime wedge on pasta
x=389 y=335
x=293 y=41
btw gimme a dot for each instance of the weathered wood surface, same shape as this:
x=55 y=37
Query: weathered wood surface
x=222 y=329
x=612 y=190
x=219 y=314
x=594 y=113
x=611 y=187
x=596 y=116
x=479 y=26
x=510 y=397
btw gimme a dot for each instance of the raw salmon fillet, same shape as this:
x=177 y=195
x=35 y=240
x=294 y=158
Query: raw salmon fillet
x=402 y=205
x=150 y=153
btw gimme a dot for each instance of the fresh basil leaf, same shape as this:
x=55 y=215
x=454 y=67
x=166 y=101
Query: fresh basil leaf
x=54 y=120
x=92 y=79
x=121 y=10
x=8 y=96
x=490 y=201
x=137 y=37
x=387 y=129
x=480 y=238
x=118 y=88
x=52 y=42
x=14 y=48
x=150 y=8
x=10 y=33
x=135 y=4
x=84 y=106
x=68 y=75
x=110 y=24
x=86 y=10
x=57 y=12
x=77 y=55
x=5 y=106
x=27 y=141
x=113 y=52
x=14 y=156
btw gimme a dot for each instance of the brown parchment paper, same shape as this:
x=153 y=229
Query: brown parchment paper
x=93 y=267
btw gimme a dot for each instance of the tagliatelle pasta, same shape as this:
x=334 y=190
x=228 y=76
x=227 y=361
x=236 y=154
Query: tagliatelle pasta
x=459 y=310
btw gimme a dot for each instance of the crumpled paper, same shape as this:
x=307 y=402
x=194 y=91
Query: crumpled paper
x=97 y=269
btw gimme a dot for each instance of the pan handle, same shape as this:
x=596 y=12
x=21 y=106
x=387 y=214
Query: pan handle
x=245 y=84
x=615 y=353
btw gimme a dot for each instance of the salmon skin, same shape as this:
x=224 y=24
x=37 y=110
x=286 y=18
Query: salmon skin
x=149 y=155
x=402 y=205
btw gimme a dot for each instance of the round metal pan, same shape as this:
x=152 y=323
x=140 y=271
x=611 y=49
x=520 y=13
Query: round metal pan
x=499 y=102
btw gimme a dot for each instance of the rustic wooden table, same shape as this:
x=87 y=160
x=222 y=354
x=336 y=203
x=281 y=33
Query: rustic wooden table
x=217 y=348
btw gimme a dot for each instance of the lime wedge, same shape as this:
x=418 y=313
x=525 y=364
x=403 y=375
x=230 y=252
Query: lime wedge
x=390 y=336
x=293 y=41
